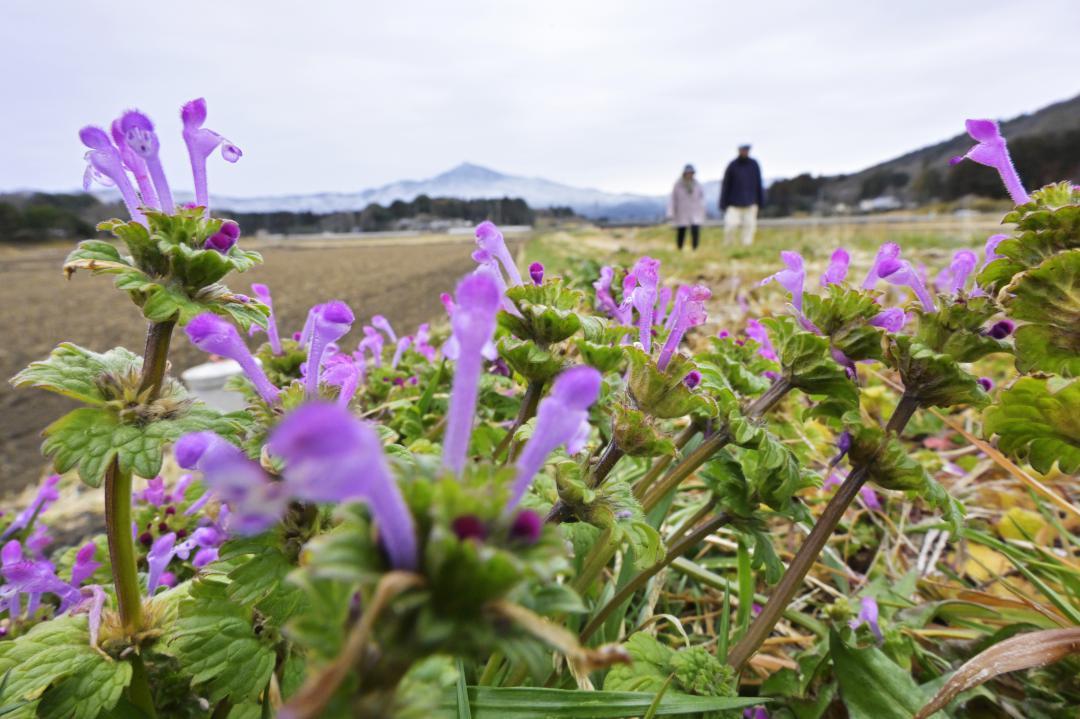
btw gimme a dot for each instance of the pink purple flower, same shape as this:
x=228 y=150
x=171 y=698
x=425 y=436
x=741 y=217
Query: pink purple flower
x=331 y=456
x=954 y=277
x=399 y=350
x=85 y=565
x=888 y=251
x=47 y=494
x=643 y=297
x=262 y=292
x=992 y=151
x=341 y=371
x=103 y=162
x=757 y=332
x=891 y=319
x=383 y=325
x=604 y=299
x=139 y=135
x=200 y=143
x=868 y=614
x=215 y=335
x=476 y=304
x=331 y=323
x=526 y=527
x=689 y=311
x=159 y=556
x=536 y=273
x=1001 y=329
x=491 y=240
x=422 y=342
x=990 y=251
x=837 y=270
x=791 y=278
x=901 y=272
x=562 y=418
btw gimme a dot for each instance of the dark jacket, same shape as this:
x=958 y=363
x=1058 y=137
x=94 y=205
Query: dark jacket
x=742 y=184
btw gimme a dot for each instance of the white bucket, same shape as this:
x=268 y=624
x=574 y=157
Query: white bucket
x=207 y=382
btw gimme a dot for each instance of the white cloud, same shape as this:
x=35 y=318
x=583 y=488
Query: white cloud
x=618 y=95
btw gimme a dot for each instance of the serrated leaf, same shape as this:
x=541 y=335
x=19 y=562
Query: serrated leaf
x=606 y=358
x=843 y=315
x=88 y=693
x=214 y=639
x=1038 y=420
x=97 y=256
x=1048 y=297
x=529 y=360
x=75 y=372
x=933 y=379
x=58 y=652
x=807 y=362
x=546 y=312
x=955 y=328
x=889 y=465
x=636 y=435
x=662 y=393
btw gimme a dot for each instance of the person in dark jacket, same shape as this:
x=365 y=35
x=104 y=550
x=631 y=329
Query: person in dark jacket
x=742 y=193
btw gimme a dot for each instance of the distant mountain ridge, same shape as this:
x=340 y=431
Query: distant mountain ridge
x=467 y=181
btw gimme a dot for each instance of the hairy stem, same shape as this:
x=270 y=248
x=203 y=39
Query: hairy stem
x=675 y=551
x=711 y=445
x=526 y=412
x=122 y=547
x=811 y=547
x=560 y=511
x=156 y=356
x=658 y=467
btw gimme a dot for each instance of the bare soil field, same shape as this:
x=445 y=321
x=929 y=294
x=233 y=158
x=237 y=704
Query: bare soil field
x=399 y=278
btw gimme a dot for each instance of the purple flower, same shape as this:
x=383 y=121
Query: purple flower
x=562 y=418
x=255 y=501
x=219 y=241
x=990 y=251
x=136 y=165
x=469 y=527
x=330 y=324
x=870 y=499
x=868 y=613
x=402 y=344
x=422 y=342
x=103 y=161
x=837 y=270
x=757 y=332
x=383 y=325
x=32 y=578
x=373 y=342
x=490 y=267
x=680 y=297
x=46 y=495
x=153 y=494
x=662 y=300
x=159 y=556
x=992 y=151
x=791 y=278
x=693 y=379
x=1001 y=329
x=84 y=566
x=643 y=297
x=755 y=713
x=473 y=321
x=888 y=251
x=200 y=143
x=341 y=371
x=536 y=273
x=900 y=272
x=139 y=135
x=526 y=527
x=689 y=311
x=954 y=277
x=986 y=383
x=491 y=240
x=92 y=601
x=38 y=540
x=331 y=456
x=263 y=293
x=890 y=320
x=215 y=335
x=604 y=299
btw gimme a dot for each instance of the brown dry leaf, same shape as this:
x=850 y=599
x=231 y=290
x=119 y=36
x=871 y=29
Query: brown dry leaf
x=1025 y=651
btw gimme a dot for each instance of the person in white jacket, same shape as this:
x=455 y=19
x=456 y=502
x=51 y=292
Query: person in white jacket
x=686 y=208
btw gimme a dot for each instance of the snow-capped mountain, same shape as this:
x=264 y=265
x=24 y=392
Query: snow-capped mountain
x=466 y=182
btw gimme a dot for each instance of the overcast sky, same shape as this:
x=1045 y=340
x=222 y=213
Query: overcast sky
x=340 y=96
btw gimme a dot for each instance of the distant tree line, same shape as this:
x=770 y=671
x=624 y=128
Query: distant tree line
x=1040 y=160
x=40 y=216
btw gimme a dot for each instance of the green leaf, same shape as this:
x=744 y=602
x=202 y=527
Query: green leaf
x=636 y=435
x=889 y=464
x=662 y=393
x=649 y=670
x=606 y=358
x=1038 y=420
x=733 y=369
x=91 y=437
x=97 y=256
x=872 y=686
x=546 y=312
x=955 y=328
x=78 y=373
x=529 y=703
x=1048 y=297
x=58 y=653
x=529 y=360
x=808 y=363
x=1045 y=226
x=933 y=379
x=86 y=694
x=215 y=640
x=843 y=315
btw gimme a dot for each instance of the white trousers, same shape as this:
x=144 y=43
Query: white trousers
x=740 y=217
